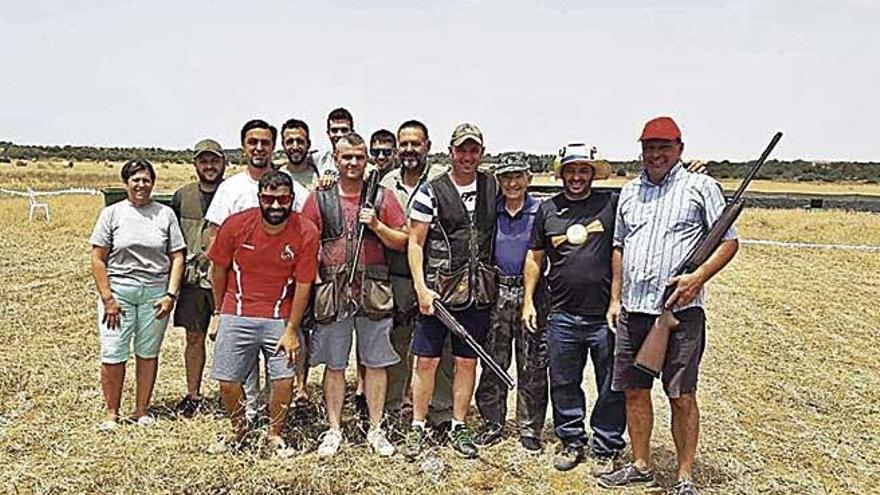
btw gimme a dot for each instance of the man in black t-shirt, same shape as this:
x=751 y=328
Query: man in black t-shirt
x=574 y=230
x=195 y=303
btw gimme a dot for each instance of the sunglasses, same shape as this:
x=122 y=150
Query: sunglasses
x=269 y=199
x=384 y=152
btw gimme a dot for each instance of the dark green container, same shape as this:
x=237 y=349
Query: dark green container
x=117 y=194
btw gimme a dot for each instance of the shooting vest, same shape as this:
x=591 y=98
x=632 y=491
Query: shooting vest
x=372 y=285
x=197 y=235
x=458 y=254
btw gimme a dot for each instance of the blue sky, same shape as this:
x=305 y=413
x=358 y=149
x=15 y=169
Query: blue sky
x=533 y=75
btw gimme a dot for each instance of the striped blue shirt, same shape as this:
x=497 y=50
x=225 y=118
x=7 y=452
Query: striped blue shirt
x=657 y=226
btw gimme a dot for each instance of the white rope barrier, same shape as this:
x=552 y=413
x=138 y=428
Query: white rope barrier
x=71 y=190
x=809 y=245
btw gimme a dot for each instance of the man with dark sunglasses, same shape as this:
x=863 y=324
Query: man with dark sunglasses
x=263 y=263
x=383 y=152
x=240 y=192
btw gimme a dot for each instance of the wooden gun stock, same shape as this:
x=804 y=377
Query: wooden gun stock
x=652 y=354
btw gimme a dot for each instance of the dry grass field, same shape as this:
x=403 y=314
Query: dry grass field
x=788 y=393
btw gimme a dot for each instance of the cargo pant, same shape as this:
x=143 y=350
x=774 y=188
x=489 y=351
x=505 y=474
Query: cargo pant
x=400 y=374
x=507 y=331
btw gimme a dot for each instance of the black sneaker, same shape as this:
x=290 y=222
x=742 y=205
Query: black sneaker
x=531 y=444
x=416 y=440
x=627 y=476
x=684 y=487
x=460 y=438
x=490 y=433
x=568 y=458
x=189 y=407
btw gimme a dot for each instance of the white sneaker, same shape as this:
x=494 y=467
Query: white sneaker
x=146 y=421
x=330 y=441
x=376 y=438
x=279 y=448
x=107 y=426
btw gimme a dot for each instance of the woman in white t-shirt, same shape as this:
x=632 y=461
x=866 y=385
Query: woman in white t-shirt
x=137 y=261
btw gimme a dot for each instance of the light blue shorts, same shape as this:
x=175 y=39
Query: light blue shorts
x=138 y=323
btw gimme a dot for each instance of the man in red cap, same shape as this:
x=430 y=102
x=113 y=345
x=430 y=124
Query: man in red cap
x=661 y=216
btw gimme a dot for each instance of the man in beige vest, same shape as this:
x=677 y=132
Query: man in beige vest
x=196 y=303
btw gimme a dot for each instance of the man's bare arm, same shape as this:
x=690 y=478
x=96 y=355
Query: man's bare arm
x=613 y=312
x=531 y=275
x=689 y=284
x=418 y=232
x=218 y=282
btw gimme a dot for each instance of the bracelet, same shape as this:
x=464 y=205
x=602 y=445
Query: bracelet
x=171 y=295
x=216 y=313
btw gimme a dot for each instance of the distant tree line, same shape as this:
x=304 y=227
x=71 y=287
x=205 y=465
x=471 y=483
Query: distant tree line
x=797 y=170
x=9 y=151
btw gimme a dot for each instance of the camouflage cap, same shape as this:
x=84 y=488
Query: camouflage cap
x=511 y=163
x=464 y=132
x=208 y=146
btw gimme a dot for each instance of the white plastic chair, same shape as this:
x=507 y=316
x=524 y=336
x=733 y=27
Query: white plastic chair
x=35 y=205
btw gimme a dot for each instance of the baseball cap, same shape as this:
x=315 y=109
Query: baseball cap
x=208 y=146
x=464 y=132
x=661 y=128
x=511 y=163
x=580 y=152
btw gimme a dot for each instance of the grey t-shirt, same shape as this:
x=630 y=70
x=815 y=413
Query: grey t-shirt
x=140 y=239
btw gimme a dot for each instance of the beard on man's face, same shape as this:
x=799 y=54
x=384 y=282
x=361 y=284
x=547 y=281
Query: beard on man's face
x=211 y=178
x=411 y=160
x=295 y=156
x=275 y=216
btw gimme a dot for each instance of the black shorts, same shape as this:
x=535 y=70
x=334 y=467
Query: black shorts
x=683 y=354
x=429 y=333
x=194 y=309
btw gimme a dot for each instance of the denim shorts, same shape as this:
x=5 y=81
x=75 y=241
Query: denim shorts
x=137 y=326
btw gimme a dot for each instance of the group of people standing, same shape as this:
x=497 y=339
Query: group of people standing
x=264 y=260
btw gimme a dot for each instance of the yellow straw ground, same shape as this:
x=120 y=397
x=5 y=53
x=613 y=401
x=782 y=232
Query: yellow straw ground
x=788 y=394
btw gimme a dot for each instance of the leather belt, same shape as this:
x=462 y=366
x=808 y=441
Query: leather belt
x=514 y=281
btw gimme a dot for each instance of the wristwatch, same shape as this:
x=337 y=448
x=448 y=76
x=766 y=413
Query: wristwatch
x=172 y=295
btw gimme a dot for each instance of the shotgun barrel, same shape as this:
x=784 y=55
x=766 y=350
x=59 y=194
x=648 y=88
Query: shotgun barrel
x=455 y=327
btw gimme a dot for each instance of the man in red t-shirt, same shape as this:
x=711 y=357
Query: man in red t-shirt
x=366 y=305
x=263 y=263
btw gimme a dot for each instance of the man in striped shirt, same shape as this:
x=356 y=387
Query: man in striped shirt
x=263 y=263
x=661 y=217
x=452 y=226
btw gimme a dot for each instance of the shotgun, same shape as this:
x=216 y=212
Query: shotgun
x=652 y=353
x=455 y=327
x=369 y=191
